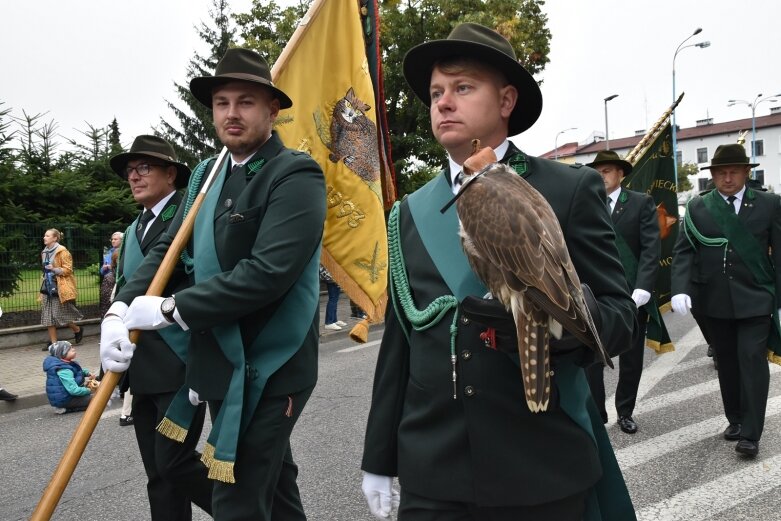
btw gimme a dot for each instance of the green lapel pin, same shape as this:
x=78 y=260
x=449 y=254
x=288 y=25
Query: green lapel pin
x=168 y=213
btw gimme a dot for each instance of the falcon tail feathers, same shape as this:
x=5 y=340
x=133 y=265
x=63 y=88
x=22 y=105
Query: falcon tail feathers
x=533 y=348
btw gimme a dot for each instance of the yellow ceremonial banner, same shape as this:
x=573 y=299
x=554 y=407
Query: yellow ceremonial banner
x=325 y=72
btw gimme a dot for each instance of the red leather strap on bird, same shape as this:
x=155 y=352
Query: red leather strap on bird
x=489 y=338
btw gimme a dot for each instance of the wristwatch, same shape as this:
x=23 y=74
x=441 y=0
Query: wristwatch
x=167 y=308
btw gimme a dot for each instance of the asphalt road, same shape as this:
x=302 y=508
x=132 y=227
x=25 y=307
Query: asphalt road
x=677 y=466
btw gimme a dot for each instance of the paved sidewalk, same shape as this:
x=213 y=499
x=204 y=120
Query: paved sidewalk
x=21 y=371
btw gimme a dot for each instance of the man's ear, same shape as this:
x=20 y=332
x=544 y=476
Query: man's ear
x=508 y=97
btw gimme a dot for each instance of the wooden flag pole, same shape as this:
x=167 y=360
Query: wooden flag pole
x=73 y=452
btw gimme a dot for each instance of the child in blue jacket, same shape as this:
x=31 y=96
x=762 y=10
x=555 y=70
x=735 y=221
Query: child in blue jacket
x=66 y=381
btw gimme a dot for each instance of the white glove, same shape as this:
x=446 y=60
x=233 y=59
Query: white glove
x=641 y=297
x=116 y=350
x=380 y=494
x=194 y=398
x=681 y=303
x=144 y=313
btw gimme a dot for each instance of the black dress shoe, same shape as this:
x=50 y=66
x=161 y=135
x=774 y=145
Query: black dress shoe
x=710 y=351
x=747 y=447
x=627 y=424
x=124 y=421
x=8 y=397
x=732 y=432
x=79 y=335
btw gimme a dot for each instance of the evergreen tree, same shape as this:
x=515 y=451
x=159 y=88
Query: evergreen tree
x=193 y=136
x=114 y=145
x=406 y=24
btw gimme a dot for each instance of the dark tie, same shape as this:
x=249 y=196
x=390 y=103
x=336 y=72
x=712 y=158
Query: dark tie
x=147 y=216
x=731 y=201
x=234 y=185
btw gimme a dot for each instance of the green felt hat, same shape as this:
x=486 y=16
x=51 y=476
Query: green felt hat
x=609 y=156
x=154 y=147
x=470 y=40
x=732 y=154
x=237 y=65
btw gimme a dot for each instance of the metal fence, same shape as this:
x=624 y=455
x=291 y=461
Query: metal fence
x=20 y=267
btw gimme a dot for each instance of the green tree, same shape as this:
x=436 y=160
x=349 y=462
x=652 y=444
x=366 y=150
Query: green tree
x=406 y=24
x=268 y=27
x=193 y=136
x=684 y=171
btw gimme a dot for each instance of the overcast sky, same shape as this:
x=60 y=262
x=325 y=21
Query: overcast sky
x=88 y=61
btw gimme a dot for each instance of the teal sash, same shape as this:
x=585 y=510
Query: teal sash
x=574 y=394
x=751 y=252
x=279 y=340
x=176 y=338
x=444 y=248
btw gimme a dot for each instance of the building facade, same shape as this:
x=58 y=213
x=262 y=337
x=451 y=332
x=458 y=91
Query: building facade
x=697 y=144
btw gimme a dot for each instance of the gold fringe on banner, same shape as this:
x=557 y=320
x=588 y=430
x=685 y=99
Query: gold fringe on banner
x=171 y=430
x=773 y=358
x=660 y=348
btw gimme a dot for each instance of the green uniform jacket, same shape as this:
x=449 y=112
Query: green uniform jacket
x=634 y=218
x=156 y=368
x=277 y=226
x=725 y=288
x=486 y=447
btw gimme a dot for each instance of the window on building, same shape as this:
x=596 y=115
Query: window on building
x=759 y=175
x=702 y=184
x=702 y=155
x=678 y=157
x=759 y=147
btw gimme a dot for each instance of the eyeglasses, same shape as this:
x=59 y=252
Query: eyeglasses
x=143 y=169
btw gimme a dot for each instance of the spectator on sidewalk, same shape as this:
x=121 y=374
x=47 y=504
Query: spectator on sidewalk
x=331 y=322
x=108 y=273
x=66 y=381
x=58 y=288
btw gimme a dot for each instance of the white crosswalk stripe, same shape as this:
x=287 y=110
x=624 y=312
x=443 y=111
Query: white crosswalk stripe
x=672 y=441
x=707 y=500
x=678 y=467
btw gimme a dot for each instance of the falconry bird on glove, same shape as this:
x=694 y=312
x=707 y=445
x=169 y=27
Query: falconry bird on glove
x=515 y=245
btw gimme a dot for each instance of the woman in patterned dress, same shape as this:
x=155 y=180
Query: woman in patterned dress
x=58 y=288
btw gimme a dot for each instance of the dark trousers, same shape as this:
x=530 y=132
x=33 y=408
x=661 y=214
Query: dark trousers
x=176 y=476
x=264 y=470
x=744 y=375
x=418 y=508
x=630 y=369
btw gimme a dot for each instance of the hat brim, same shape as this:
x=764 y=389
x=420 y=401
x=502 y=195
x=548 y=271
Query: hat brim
x=750 y=165
x=202 y=87
x=419 y=62
x=120 y=161
x=626 y=166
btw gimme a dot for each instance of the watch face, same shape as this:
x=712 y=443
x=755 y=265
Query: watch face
x=168 y=305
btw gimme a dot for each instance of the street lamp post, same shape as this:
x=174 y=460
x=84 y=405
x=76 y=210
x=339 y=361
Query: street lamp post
x=556 y=142
x=753 y=106
x=701 y=45
x=607 y=136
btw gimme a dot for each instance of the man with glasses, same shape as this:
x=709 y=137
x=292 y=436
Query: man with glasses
x=176 y=476
x=253 y=298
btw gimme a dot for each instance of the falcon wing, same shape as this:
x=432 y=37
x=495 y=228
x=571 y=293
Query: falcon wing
x=514 y=228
